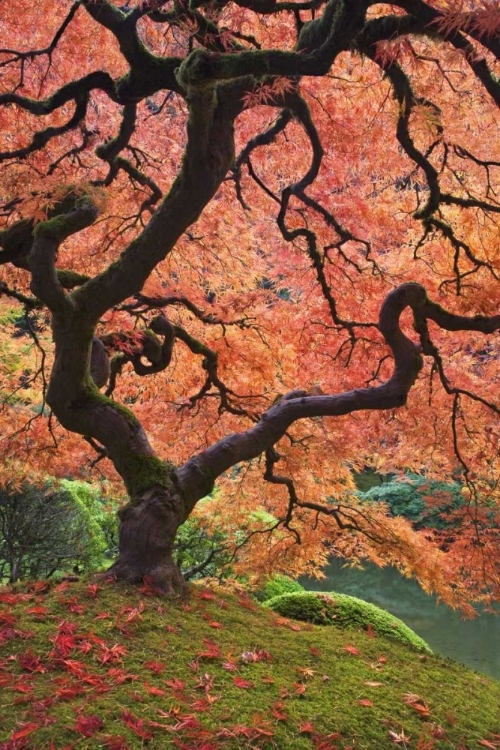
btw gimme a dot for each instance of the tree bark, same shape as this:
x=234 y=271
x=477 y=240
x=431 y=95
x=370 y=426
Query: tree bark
x=147 y=531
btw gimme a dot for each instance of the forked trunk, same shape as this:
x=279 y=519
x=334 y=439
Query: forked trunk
x=147 y=531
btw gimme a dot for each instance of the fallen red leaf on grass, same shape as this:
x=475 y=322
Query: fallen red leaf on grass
x=243 y=684
x=418 y=703
x=136 y=725
x=31 y=662
x=118 y=676
x=24 y=732
x=306 y=727
x=92 y=590
x=88 y=725
x=175 y=684
x=186 y=722
x=212 y=650
x=153 y=690
x=15 y=598
x=112 y=653
x=22 y=687
x=207 y=596
x=247 y=604
x=39 y=611
x=326 y=742
x=156 y=667
x=278 y=711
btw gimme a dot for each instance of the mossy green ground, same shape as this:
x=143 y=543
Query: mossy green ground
x=86 y=665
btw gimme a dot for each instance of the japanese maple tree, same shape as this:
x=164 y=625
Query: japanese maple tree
x=256 y=245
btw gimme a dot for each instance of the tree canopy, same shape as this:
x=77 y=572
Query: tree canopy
x=254 y=244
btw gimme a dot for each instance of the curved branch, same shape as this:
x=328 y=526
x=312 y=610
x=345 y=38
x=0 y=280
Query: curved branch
x=30 y=303
x=41 y=138
x=344 y=19
x=132 y=348
x=437 y=24
x=389 y=28
x=265 y=138
x=196 y=476
x=143 y=303
x=406 y=100
x=267 y=7
x=48 y=235
x=208 y=156
x=210 y=364
x=73 y=90
x=31 y=54
x=148 y=72
x=158 y=355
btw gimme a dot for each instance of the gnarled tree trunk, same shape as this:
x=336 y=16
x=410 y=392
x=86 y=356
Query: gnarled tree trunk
x=147 y=531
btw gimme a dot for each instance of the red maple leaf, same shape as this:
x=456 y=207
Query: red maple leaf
x=24 y=731
x=88 y=725
x=136 y=725
x=243 y=684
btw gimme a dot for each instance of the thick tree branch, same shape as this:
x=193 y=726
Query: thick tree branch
x=48 y=235
x=196 y=477
x=74 y=90
x=208 y=156
x=323 y=41
x=149 y=73
x=30 y=303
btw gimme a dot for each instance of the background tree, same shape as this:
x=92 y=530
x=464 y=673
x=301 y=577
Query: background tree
x=428 y=504
x=340 y=164
x=52 y=528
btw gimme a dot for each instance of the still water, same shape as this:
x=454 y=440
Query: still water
x=475 y=643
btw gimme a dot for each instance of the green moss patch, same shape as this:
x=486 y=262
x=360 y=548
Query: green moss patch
x=346 y=612
x=86 y=665
x=276 y=586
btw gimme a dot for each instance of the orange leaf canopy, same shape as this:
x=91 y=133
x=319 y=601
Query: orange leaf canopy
x=366 y=156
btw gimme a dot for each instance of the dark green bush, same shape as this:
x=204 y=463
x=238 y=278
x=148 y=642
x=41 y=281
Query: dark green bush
x=346 y=612
x=56 y=527
x=426 y=503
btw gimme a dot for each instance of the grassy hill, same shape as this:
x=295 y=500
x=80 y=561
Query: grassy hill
x=86 y=665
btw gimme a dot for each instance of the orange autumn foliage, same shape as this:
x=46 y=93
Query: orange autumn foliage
x=366 y=158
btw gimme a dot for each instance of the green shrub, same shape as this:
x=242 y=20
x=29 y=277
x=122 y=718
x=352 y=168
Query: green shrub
x=427 y=503
x=346 y=612
x=99 y=519
x=57 y=527
x=277 y=585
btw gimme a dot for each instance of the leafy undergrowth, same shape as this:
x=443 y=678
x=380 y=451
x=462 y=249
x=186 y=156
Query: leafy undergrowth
x=86 y=665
